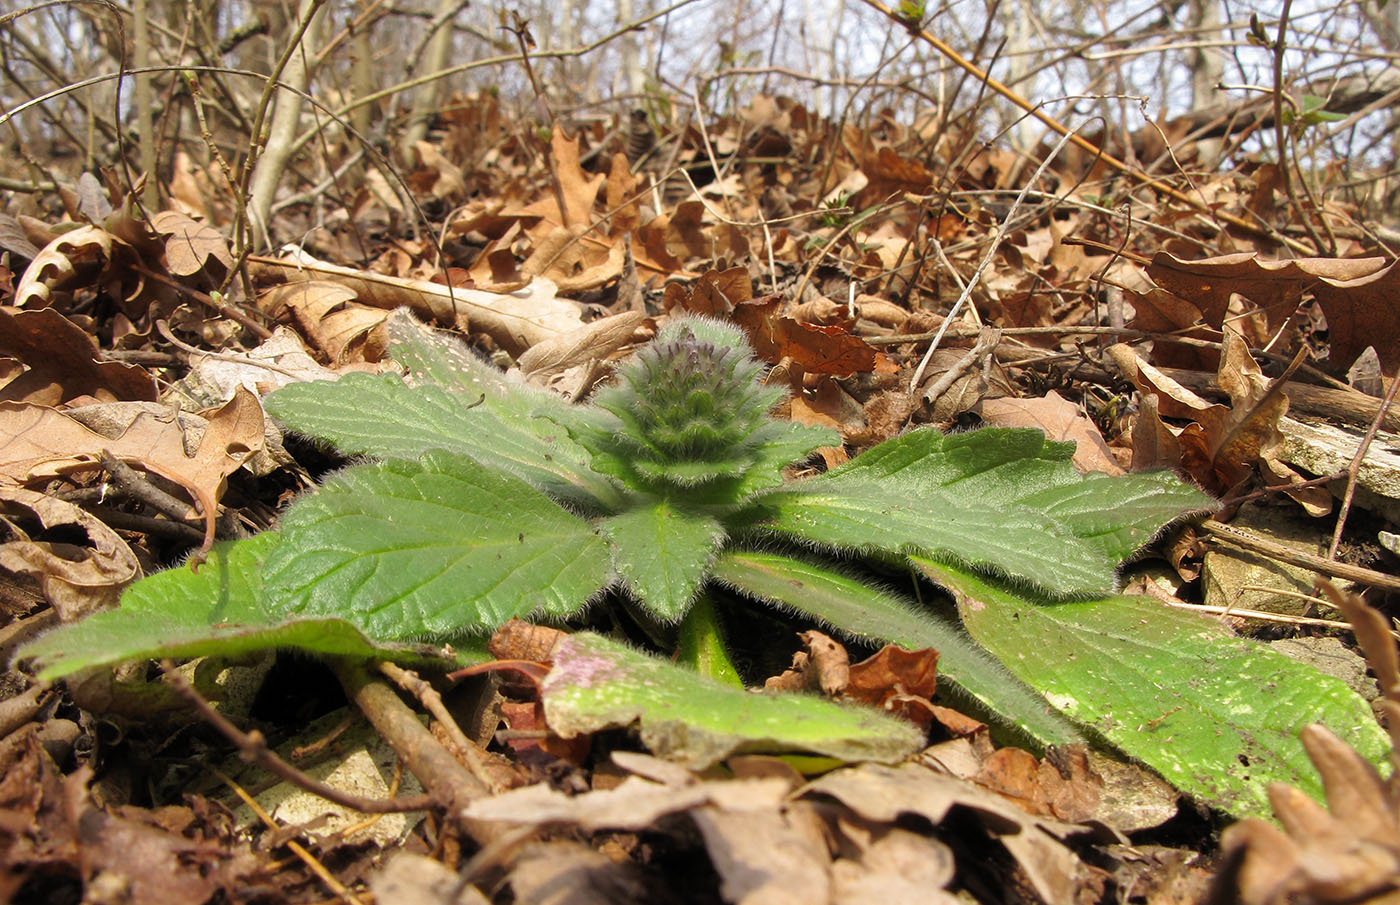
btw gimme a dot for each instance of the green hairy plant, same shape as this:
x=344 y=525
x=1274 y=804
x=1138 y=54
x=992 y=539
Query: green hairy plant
x=490 y=499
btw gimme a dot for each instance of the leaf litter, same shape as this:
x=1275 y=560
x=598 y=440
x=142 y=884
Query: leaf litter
x=966 y=816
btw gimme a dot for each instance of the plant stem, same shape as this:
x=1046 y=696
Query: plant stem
x=701 y=646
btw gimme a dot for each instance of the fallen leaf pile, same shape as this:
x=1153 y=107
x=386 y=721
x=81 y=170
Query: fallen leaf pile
x=878 y=266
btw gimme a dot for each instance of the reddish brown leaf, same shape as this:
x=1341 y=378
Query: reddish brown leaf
x=62 y=362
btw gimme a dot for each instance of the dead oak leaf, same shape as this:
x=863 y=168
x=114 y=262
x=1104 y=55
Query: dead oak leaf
x=1223 y=444
x=326 y=314
x=76 y=579
x=192 y=247
x=45 y=443
x=1060 y=419
x=61 y=362
x=1356 y=294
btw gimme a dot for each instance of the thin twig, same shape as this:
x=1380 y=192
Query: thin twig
x=468 y=751
x=252 y=747
x=1354 y=469
x=1153 y=590
x=1250 y=541
x=135 y=485
x=302 y=853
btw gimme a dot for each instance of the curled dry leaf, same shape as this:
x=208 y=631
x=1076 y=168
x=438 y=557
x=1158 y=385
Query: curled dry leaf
x=586 y=345
x=1223 y=445
x=62 y=362
x=516 y=320
x=44 y=443
x=192 y=247
x=1356 y=294
x=881 y=794
x=521 y=640
x=823 y=665
x=327 y=314
x=58 y=263
x=1348 y=851
x=76 y=579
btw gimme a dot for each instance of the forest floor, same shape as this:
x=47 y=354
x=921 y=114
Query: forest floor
x=893 y=275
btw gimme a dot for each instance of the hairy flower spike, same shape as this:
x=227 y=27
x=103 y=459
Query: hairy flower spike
x=689 y=412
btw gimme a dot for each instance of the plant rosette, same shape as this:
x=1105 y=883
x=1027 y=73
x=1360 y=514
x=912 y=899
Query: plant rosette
x=489 y=499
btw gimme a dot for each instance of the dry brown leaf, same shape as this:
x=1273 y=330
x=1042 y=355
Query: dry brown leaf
x=439 y=176
x=573 y=262
x=814 y=348
x=902 y=682
x=828 y=405
x=516 y=320
x=586 y=345
x=128 y=853
x=1224 y=444
x=890 y=866
x=763 y=857
x=44 y=443
x=192 y=247
x=413 y=879
x=621 y=189
x=1154 y=444
x=1061 y=420
x=881 y=794
x=1356 y=294
x=326 y=313
x=1038 y=787
x=831 y=664
x=13 y=239
x=715 y=293
x=57 y=264
x=571 y=873
x=62 y=362
x=893 y=671
x=577 y=189
x=77 y=580
x=1160 y=311
x=521 y=640
x=189 y=186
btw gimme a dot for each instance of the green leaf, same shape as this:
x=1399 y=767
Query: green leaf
x=875 y=519
x=856 y=609
x=1003 y=501
x=662 y=553
x=1217 y=715
x=454 y=400
x=1118 y=514
x=437 y=546
x=597 y=684
x=221 y=609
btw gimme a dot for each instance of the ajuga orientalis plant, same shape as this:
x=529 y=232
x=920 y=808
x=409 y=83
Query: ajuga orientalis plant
x=490 y=500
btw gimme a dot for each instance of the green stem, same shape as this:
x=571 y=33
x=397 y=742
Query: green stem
x=701 y=646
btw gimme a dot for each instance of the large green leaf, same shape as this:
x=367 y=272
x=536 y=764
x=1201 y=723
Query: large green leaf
x=437 y=546
x=1119 y=514
x=855 y=608
x=1003 y=501
x=662 y=553
x=449 y=399
x=221 y=609
x=597 y=684
x=1217 y=715
x=381 y=416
